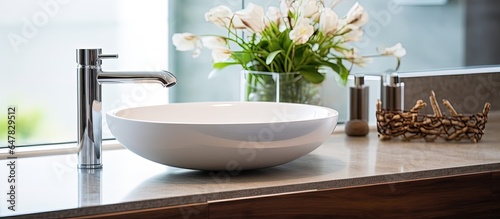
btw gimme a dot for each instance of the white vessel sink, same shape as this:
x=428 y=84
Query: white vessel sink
x=222 y=135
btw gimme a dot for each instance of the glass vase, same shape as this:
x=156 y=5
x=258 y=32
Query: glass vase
x=279 y=87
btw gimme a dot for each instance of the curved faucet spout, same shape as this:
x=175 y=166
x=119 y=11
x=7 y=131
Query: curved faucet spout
x=165 y=78
x=89 y=78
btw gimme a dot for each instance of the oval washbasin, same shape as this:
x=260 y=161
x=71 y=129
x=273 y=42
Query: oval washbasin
x=222 y=135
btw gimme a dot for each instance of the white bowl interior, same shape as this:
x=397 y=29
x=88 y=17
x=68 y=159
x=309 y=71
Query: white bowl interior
x=225 y=113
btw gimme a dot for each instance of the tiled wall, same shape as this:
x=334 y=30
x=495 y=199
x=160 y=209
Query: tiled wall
x=468 y=93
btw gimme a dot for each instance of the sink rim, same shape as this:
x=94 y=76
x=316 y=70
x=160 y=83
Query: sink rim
x=329 y=112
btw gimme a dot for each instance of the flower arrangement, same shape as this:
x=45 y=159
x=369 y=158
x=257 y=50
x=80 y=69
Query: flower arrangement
x=301 y=36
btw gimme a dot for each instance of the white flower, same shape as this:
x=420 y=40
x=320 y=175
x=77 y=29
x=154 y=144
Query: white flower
x=354 y=35
x=252 y=17
x=328 y=22
x=310 y=8
x=302 y=31
x=285 y=7
x=356 y=15
x=349 y=53
x=352 y=56
x=187 y=42
x=220 y=16
x=302 y=8
x=212 y=42
x=351 y=33
x=396 y=50
x=220 y=54
x=273 y=15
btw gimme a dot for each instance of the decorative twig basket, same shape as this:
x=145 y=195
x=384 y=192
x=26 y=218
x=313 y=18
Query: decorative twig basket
x=410 y=125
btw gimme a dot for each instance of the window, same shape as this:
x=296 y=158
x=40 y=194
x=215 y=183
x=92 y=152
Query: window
x=38 y=40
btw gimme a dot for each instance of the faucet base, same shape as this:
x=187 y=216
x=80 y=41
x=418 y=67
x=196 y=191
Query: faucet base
x=89 y=166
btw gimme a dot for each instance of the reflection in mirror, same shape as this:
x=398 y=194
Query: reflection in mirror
x=436 y=34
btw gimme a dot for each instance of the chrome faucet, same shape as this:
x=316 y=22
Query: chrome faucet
x=90 y=76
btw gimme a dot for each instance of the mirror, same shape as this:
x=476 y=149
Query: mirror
x=437 y=34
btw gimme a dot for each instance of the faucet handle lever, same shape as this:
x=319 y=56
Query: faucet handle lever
x=108 y=56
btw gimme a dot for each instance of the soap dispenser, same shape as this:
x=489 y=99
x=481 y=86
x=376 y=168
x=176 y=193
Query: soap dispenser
x=392 y=92
x=358 y=110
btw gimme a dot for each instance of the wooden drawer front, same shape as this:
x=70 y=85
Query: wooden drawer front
x=496 y=194
x=464 y=196
x=194 y=211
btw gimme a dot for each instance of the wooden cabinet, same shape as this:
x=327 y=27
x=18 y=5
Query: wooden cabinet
x=495 y=190
x=467 y=196
x=463 y=196
x=193 y=211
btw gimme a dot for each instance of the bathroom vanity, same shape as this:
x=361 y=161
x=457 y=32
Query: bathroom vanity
x=345 y=177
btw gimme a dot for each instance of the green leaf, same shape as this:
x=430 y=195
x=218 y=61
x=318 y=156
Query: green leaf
x=274 y=44
x=340 y=69
x=333 y=66
x=284 y=38
x=313 y=76
x=344 y=73
x=243 y=58
x=271 y=56
x=263 y=44
x=221 y=65
x=299 y=55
